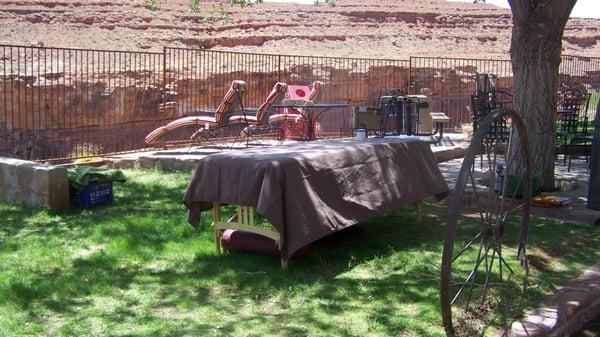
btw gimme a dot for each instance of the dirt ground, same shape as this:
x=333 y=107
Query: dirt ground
x=366 y=28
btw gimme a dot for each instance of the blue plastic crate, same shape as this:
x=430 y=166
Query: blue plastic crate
x=94 y=194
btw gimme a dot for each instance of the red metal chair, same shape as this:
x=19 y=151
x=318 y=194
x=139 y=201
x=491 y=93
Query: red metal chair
x=230 y=103
x=298 y=119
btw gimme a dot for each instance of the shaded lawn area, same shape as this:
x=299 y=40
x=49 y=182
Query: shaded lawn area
x=137 y=268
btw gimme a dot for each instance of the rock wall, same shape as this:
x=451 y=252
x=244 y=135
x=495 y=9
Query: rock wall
x=367 y=28
x=33 y=184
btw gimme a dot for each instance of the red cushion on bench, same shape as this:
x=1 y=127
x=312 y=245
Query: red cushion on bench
x=254 y=243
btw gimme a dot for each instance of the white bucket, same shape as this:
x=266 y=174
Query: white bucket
x=361 y=133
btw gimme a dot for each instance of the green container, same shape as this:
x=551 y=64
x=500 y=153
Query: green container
x=514 y=184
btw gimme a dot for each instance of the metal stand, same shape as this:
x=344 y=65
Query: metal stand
x=594 y=185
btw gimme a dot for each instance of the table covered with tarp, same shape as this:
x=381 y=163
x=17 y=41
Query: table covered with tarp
x=310 y=190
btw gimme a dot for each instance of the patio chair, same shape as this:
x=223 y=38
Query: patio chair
x=503 y=98
x=298 y=116
x=229 y=104
x=571 y=128
x=484 y=102
x=255 y=122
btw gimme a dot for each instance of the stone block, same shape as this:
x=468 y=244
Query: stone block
x=120 y=163
x=165 y=164
x=185 y=165
x=33 y=184
x=590 y=281
x=546 y=317
x=570 y=300
x=527 y=329
x=39 y=179
x=565 y=311
x=8 y=183
x=566 y=185
x=146 y=162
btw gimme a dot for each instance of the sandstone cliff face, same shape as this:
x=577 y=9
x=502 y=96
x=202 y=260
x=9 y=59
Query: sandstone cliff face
x=61 y=102
x=370 y=28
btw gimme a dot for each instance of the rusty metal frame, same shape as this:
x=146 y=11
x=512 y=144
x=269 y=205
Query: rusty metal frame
x=456 y=205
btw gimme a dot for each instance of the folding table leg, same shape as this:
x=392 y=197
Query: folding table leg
x=216 y=218
x=284 y=263
x=418 y=211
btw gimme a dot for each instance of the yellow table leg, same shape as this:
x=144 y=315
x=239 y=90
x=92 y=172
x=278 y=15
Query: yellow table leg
x=244 y=219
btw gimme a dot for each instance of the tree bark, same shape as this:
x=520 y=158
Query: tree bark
x=536 y=47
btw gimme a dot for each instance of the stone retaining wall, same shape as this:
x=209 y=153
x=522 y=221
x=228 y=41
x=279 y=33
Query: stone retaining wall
x=185 y=162
x=564 y=312
x=32 y=184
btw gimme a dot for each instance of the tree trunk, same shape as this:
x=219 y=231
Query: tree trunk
x=536 y=48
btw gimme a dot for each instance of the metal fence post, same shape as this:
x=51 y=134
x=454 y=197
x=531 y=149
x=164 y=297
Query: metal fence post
x=164 y=79
x=279 y=68
x=411 y=86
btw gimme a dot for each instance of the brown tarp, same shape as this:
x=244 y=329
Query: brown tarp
x=310 y=190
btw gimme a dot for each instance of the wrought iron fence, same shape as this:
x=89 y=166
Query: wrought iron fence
x=449 y=83
x=73 y=103
x=60 y=102
x=197 y=79
x=582 y=72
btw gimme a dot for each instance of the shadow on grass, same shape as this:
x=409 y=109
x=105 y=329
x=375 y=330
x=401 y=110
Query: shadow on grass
x=239 y=275
x=381 y=249
x=385 y=270
x=98 y=274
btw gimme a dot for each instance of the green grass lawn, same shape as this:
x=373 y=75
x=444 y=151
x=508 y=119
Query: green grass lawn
x=136 y=268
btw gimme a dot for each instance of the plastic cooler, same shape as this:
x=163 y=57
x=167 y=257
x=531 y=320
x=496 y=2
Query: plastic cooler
x=92 y=195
